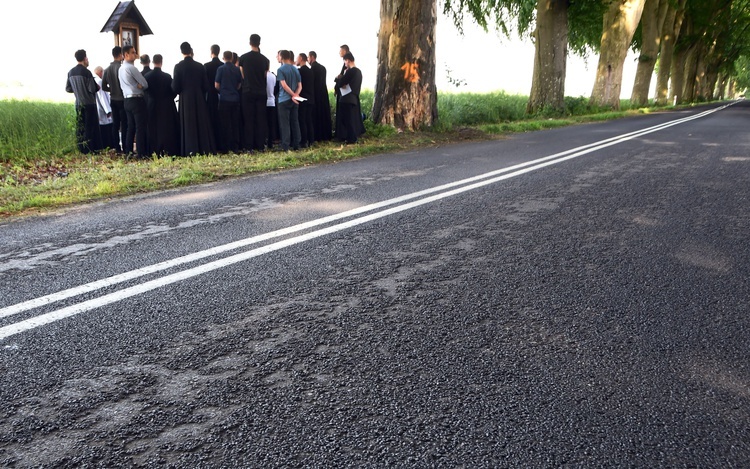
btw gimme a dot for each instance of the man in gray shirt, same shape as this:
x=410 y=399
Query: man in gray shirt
x=111 y=84
x=81 y=83
x=133 y=84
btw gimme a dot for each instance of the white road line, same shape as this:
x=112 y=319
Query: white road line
x=511 y=172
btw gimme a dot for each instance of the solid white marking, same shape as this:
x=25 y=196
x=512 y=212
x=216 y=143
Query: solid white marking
x=511 y=171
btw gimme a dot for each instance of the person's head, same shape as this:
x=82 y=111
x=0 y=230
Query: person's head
x=349 y=59
x=81 y=57
x=235 y=59
x=117 y=53
x=228 y=56
x=145 y=60
x=286 y=56
x=254 y=40
x=302 y=59
x=129 y=54
x=99 y=71
x=186 y=49
x=278 y=56
x=343 y=50
x=215 y=50
x=158 y=60
x=313 y=56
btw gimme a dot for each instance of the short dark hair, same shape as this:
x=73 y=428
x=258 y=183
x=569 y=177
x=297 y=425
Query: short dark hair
x=145 y=59
x=116 y=52
x=185 y=48
x=127 y=49
x=285 y=55
x=235 y=57
x=215 y=49
x=254 y=40
x=303 y=56
x=313 y=54
x=80 y=55
x=158 y=59
x=228 y=55
x=345 y=47
x=349 y=56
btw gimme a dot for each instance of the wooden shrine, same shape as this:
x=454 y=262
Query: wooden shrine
x=127 y=24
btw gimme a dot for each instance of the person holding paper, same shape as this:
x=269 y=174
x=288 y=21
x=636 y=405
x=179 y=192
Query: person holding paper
x=350 y=85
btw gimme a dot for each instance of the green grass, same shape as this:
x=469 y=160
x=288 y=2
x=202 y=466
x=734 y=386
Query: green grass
x=40 y=166
x=32 y=131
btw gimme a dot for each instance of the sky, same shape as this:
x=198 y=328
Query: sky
x=50 y=31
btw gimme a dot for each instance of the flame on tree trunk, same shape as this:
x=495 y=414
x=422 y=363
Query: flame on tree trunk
x=620 y=22
x=405 y=93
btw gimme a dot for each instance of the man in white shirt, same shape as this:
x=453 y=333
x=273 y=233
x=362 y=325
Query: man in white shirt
x=133 y=84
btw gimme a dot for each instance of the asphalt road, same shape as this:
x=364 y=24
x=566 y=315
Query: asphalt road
x=574 y=297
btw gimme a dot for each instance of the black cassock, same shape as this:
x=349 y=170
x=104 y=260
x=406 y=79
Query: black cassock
x=212 y=97
x=322 y=106
x=163 y=122
x=196 y=132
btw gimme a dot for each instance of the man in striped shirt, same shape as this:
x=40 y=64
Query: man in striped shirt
x=81 y=83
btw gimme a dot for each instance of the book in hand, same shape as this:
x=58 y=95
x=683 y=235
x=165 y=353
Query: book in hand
x=345 y=90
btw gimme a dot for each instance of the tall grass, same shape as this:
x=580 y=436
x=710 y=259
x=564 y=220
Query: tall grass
x=33 y=130
x=467 y=109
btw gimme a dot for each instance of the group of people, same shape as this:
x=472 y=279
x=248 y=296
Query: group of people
x=231 y=104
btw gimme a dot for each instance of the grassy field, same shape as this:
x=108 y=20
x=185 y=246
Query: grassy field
x=41 y=168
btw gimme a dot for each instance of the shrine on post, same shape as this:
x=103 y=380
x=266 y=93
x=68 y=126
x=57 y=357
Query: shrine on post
x=127 y=24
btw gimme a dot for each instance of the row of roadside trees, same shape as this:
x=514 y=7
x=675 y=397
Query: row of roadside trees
x=699 y=50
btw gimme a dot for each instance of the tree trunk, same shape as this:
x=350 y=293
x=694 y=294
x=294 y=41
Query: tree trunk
x=709 y=89
x=550 y=55
x=620 y=22
x=670 y=33
x=692 y=61
x=677 y=88
x=405 y=93
x=652 y=23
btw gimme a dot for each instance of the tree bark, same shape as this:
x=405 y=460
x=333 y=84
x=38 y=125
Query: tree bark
x=670 y=33
x=550 y=56
x=652 y=23
x=620 y=22
x=405 y=93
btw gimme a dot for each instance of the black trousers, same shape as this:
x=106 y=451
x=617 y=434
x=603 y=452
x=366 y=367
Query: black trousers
x=137 y=127
x=350 y=120
x=119 y=124
x=306 y=126
x=229 y=119
x=87 y=129
x=256 y=126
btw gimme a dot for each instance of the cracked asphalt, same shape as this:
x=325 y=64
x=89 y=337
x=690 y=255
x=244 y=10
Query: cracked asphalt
x=590 y=313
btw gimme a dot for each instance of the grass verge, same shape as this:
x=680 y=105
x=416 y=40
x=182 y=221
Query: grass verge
x=46 y=172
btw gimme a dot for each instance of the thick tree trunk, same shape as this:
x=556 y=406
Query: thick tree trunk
x=652 y=23
x=709 y=89
x=692 y=60
x=405 y=93
x=620 y=22
x=722 y=87
x=677 y=88
x=550 y=55
x=670 y=33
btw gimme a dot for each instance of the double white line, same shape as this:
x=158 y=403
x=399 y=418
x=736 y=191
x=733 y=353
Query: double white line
x=356 y=217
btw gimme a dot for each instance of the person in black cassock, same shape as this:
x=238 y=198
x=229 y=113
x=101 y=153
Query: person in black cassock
x=212 y=97
x=307 y=130
x=350 y=85
x=321 y=107
x=338 y=127
x=191 y=83
x=163 y=121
